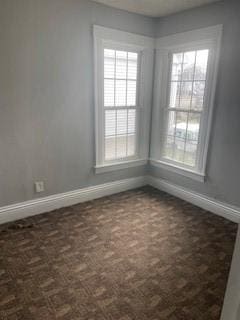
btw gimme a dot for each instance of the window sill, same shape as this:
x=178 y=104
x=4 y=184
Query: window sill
x=198 y=176
x=120 y=165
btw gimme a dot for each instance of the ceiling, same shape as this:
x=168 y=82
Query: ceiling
x=155 y=8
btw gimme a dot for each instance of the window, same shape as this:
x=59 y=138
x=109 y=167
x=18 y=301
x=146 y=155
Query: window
x=120 y=104
x=186 y=80
x=186 y=103
x=122 y=98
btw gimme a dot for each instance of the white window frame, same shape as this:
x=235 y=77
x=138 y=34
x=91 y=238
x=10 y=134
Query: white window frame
x=144 y=46
x=206 y=38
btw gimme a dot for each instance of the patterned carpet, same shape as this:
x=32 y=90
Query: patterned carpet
x=138 y=255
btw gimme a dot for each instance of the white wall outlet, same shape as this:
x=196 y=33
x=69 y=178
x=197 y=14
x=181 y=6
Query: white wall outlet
x=39 y=186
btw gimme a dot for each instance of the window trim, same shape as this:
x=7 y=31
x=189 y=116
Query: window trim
x=192 y=40
x=179 y=170
x=115 y=39
x=120 y=165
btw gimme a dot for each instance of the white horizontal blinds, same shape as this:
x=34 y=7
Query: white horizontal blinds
x=185 y=105
x=120 y=103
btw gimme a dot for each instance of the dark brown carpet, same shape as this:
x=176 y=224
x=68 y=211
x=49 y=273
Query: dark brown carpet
x=141 y=255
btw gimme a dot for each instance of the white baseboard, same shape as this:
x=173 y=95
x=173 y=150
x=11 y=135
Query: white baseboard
x=41 y=205
x=210 y=204
x=34 y=207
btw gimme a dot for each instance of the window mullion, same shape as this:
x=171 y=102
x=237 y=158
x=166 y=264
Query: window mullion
x=184 y=110
x=121 y=108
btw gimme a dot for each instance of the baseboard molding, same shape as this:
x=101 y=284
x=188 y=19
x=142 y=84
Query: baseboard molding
x=34 y=207
x=41 y=205
x=210 y=204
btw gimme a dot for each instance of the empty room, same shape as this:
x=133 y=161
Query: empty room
x=119 y=160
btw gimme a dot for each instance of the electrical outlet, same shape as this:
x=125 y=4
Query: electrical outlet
x=39 y=186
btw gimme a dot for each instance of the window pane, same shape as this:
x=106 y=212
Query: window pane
x=132 y=69
x=186 y=95
x=131 y=141
x=108 y=93
x=110 y=123
x=109 y=53
x=120 y=93
x=182 y=137
x=109 y=63
x=188 y=65
x=131 y=121
x=168 y=147
x=122 y=55
x=121 y=146
x=122 y=133
x=110 y=148
x=131 y=145
x=174 y=94
x=132 y=56
x=177 y=66
x=171 y=123
x=181 y=125
x=198 y=94
x=201 y=64
x=178 y=149
x=121 y=64
x=180 y=134
x=121 y=122
x=193 y=126
x=190 y=153
x=131 y=93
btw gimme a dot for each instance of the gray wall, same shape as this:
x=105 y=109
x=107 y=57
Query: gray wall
x=223 y=167
x=46 y=94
